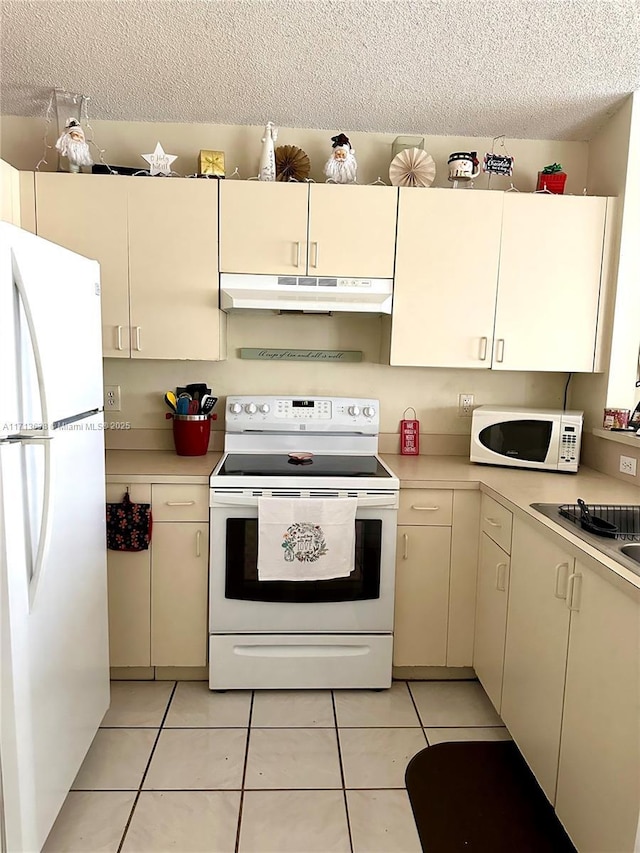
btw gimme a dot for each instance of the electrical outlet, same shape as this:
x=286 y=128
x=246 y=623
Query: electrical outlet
x=112 y=398
x=465 y=405
x=628 y=465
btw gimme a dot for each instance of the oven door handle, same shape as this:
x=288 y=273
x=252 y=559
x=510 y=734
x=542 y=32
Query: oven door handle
x=389 y=501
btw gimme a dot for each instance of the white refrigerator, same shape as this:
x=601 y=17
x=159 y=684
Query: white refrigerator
x=54 y=666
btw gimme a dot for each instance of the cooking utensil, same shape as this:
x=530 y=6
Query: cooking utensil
x=194 y=407
x=207 y=403
x=171 y=400
x=197 y=390
x=594 y=523
x=183 y=405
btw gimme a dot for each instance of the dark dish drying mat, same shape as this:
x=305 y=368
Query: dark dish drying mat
x=626 y=518
x=481 y=797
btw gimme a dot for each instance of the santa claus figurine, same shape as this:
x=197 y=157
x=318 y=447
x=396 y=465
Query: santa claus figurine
x=341 y=167
x=73 y=145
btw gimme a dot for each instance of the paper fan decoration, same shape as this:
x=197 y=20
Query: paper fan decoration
x=412 y=167
x=291 y=163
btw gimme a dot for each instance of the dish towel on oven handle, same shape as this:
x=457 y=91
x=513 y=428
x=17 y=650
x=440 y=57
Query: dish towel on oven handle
x=306 y=539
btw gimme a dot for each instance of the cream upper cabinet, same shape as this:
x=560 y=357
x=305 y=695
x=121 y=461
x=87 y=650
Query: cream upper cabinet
x=491 y=617
x=88 y=214
x=173 y=270
x=549 y=282
x=263 y=227
x=352 y=230
x=536 y=650
x=598 y=793
x=297 y=229
x=156 y=241
x=447 y=253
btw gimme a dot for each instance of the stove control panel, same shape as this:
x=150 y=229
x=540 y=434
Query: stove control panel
x=313 y=414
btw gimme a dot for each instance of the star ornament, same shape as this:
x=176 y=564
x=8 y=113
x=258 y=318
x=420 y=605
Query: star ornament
x=159 y=162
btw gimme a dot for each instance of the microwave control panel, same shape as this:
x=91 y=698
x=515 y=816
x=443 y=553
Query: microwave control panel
x=569 y=446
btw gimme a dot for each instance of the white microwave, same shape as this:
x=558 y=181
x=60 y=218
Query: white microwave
x=547 y=439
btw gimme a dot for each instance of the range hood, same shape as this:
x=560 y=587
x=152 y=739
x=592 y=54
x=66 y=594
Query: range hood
x=308 y=294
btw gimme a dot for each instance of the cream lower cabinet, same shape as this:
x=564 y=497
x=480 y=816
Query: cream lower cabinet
x=492 y=593
x=290 y=229
x=536 y=650
x=158 y=598
x=436 y=560
x=598 y=794
x=156 y=241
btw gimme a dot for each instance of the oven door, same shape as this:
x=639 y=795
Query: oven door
x=240 y=602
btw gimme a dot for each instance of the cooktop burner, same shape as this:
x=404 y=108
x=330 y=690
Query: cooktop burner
x=281 y=464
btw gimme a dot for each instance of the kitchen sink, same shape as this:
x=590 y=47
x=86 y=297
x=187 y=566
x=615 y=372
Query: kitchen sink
x=618 y=547
x=632 y=551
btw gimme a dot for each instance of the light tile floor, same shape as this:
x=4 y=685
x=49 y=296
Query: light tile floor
x=176 y=767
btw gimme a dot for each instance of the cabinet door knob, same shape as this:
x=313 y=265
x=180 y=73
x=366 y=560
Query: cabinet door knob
x=492 y=521
x=425 y=508
x=571 y=587
x=501 y=576
x=180 y=503
x=484 y=343
x=500 y=350
x=316 y=254
x=119 y=337
x=137 y=336
x=560 y=575
x=405 y=553
x=198 y=540
x=298 y=246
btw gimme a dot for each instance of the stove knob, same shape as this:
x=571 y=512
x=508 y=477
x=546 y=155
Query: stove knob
x=235 y=408
x=265 y=408
x=368 y=411
x=251 y=408
x=354 y=410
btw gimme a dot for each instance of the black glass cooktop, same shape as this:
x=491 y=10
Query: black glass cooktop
x=282 y=465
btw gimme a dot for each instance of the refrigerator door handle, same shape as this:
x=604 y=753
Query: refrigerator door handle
x=22 y=293
x=45 y=524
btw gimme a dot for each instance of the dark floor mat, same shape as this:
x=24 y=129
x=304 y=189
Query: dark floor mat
x=481 y=797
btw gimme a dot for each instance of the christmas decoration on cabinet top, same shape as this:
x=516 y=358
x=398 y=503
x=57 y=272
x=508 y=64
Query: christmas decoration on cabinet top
x=267 y=169
x=211 y=163
x=463 y=166
x=341 y=166
x=73 y=145
x=159 y=162
x=552 y=179
x=292 y=163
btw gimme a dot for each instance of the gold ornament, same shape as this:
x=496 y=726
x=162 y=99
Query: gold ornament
x=211 y=163
x=291 y=163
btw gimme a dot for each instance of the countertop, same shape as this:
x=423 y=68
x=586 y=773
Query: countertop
x=514 y=488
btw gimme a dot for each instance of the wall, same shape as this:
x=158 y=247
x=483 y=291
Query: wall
x=21 y=145
x=432 y=392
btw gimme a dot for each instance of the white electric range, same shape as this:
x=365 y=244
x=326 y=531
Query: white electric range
x=297 y=634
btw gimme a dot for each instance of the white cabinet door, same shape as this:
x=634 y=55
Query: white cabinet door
x=422 y=594
x=447 y=252
x=536 y=650
x=549 y=283
x=352 y=230
x=599 y=773
x=491 y=617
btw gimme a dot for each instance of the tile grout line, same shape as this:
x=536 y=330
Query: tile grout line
x=344 y=788
x=424 y=732
x=244 y=772
x=146 y=769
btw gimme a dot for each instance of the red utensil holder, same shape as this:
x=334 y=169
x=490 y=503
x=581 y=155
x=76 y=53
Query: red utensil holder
x=553 y=182
x=191 y=434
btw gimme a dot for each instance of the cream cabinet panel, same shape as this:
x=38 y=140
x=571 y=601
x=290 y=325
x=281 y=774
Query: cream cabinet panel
x=549 y=282
x=536 y=650
x=129 y=594
x=496 y=521
x=173 y=269
x=447 y=252
x=9 y=194
x=367 y=248
x=425 y=506
x=599 y=773
x=491 y=617
x=462 y=583
x=422 y=595
x=263 y=227
x=179 y=594
x=180 y=502
x=88 y=214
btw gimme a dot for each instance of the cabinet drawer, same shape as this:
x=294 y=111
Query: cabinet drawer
x=496 y=522
x=138 y=492
x=425 y=506
x=180 y=503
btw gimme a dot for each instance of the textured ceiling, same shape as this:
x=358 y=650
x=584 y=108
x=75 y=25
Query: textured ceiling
x=535 y=69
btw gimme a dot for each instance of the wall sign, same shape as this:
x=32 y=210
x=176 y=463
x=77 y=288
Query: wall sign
x=324 y=355
x=498 y=164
